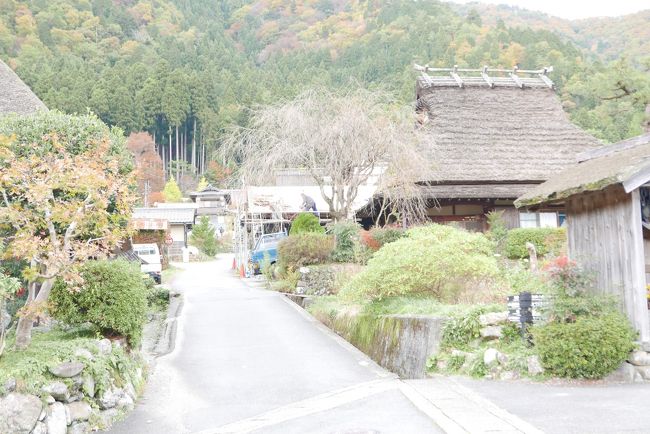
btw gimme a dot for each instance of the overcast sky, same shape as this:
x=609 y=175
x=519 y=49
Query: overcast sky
x=573 y=9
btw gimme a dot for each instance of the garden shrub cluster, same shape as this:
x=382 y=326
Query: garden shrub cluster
x=441 y=261
x=306 y=222
x=113 y=298
x=546 y=241
x=346 y=235
x=305 y=249
x=585 y=335
x=589 y=347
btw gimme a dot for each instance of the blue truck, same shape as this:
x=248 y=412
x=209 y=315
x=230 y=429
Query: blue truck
x=267 y=244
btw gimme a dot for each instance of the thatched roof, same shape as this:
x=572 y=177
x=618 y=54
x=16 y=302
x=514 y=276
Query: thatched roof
x=16 y=96
x=626 y=163
x=476 y=191
x=496 y=131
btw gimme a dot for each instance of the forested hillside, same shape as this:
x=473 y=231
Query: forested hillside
x=186 y=69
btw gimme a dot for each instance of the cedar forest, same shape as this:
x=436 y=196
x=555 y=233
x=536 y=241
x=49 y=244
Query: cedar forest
x=186 y=70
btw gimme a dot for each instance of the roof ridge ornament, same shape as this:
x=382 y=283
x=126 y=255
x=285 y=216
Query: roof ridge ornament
x=492 y=77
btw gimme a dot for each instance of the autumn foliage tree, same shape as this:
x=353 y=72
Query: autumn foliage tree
x=66 y=189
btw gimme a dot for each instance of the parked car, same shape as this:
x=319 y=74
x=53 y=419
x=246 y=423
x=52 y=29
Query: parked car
x=267 y=244
x=151 y=261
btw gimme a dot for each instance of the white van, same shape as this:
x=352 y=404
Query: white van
x=151 y=261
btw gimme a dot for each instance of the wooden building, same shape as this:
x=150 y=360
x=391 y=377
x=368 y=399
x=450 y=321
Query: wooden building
x=607 y=199
x=495 y=135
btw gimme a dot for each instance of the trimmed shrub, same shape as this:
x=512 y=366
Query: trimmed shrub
x=545 y=240
x=442 y=261
x=113 y=298
x=346 y=235
x=590 y=347
x=306 y=222
x=305 y=249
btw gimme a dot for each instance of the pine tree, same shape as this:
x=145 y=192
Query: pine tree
x=171 y=191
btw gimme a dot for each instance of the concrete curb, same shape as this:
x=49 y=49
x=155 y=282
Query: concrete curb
x=167 y=340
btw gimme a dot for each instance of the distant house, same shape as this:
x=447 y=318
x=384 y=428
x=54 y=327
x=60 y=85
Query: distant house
x=494 y=135
x=173 y=221
x=16 y=96
x=607 y=200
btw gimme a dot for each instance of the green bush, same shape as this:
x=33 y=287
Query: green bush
x=305 y=249
x=545 y=240
x=386 y=235
x=346 y=235
x=113 y=298
x=204 y=237
x=306 y=222
x=437 y=260
x=590 y=347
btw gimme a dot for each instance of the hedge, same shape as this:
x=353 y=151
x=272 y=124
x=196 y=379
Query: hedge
x=545 y=240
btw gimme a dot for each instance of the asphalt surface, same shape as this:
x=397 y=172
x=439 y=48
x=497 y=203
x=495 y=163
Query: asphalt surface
x=567 y=408
x=246 y=360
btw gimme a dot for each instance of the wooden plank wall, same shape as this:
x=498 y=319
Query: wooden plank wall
x=605 y=235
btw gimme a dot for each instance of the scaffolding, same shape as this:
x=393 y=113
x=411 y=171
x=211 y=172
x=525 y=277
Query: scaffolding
x=250 y=226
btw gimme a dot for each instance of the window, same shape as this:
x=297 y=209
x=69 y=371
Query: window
x=538 y=220
x=527 y=220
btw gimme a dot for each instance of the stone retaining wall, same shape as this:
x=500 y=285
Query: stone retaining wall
x=70 y=402
x=400 y=343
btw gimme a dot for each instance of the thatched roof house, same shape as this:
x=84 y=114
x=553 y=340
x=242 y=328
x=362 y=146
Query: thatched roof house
x=16 y=96
x=494 y=134
x=607 y=200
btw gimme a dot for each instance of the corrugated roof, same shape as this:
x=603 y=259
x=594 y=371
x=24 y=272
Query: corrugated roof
x=626 y=163
x=504 y=134
x=172 y=215
x=16 y=96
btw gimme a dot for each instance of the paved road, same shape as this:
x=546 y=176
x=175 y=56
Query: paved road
x=246 y=360
x=569 y=409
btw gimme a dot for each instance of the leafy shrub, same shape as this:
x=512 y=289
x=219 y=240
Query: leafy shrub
x=158 y=296
x=346 y=235
x=438 y=260
x=305 y=249
x=204 y=237
x=113 y=298
x=545 y=240
x=590 y=347
x=375 y=238
x=460 y=330
x=306 y=222
x=498 y=232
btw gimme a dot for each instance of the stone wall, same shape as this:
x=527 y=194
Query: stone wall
x=70 y=402
x=400 y=343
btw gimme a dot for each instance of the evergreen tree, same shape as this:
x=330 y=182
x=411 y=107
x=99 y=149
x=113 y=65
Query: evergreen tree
x=171 y=191
x=203 y=237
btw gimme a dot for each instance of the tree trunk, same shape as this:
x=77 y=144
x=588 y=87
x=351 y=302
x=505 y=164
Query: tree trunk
x=26 y=321
x=194 y=145
x=170 y=154
x=177 y=156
